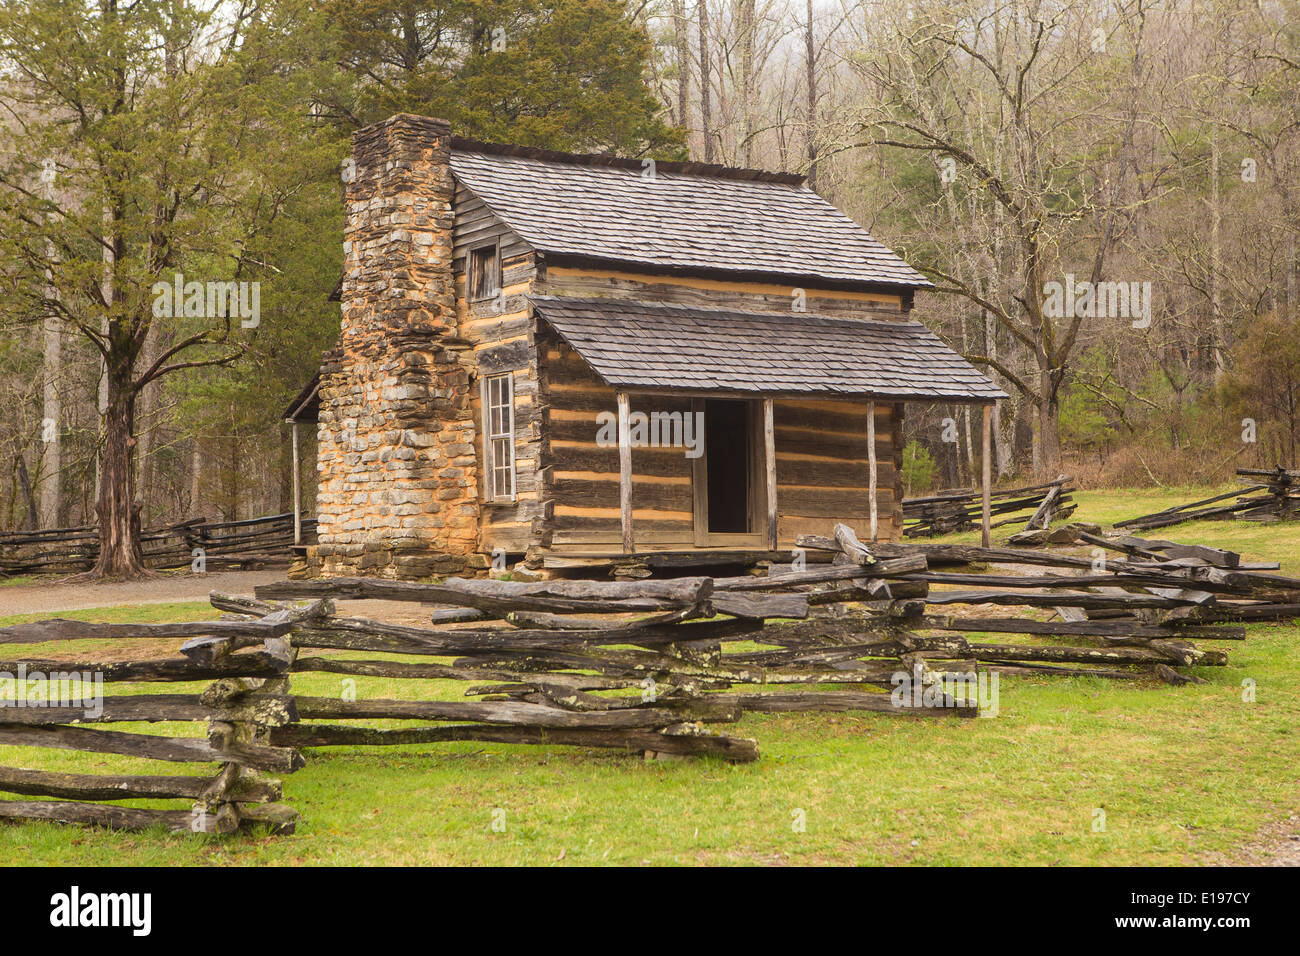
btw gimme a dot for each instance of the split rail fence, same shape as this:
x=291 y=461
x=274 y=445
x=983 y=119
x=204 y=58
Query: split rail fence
x=255 y=541
x=1269 y=495
x=659 y=667
x=950 y=511
x=248 y=697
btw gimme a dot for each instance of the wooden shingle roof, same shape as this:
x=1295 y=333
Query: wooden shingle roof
x=681 y=218
x=306 y=405
x=650 y=346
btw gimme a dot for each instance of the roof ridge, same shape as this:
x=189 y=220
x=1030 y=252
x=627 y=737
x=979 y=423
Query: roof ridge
x=686 y=168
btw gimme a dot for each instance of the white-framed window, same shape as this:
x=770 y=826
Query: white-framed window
x=499 y=436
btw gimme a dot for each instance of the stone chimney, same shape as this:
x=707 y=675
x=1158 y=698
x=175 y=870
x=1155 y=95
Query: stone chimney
x=398 y=492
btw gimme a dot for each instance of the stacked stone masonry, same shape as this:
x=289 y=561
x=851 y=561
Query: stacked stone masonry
x=398 y=472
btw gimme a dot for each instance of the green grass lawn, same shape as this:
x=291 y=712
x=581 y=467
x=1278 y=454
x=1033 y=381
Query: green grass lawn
x=1180 y=773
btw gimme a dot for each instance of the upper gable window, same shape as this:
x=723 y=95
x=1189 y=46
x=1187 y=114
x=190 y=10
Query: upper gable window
x=484 y=273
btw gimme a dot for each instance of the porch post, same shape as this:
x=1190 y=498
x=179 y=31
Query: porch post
x=871 y=470
x=297 y=492
x=769 y=450
x=987 y=469
x=625 y=471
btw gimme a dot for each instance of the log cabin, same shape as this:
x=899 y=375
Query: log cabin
x=573 y=358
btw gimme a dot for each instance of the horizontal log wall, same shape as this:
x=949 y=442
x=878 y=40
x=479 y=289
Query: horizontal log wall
x=821 y=449
x=749 y=296
x=501 y=335
x=476 y=225
x=567 y=486
x=821 y=467
x=583 y=477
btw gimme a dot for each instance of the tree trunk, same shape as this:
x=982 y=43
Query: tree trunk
x=286 y=470
x=1049 y=432
x=1216 y=316
x=1002 y=457
x=968 y=472
x=1024 y=442
x=196 y=479
x=25 y=484
x=147 y=405
x=107 y=290
x=949 y=457
x=810 y=65
x=706 y=105
x=1002 y=444
x=120 y=554
x=747 y=84
x=230 y=506
x=51 y=420
x=682 y=45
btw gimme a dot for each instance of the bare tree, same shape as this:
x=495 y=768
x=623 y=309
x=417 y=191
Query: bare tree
x=706 y=81
x=1011 y=103
x=810 y=82
x=682 y=49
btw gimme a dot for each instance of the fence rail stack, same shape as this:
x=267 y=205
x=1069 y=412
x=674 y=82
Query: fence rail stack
x=247 y=663
x=550 y=667
x=1140 y=610
x=656 y=666
x=1269 y=495
x=225 y=544
x=952 y=511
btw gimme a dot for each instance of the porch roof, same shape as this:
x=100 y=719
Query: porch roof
x=306 y=405
x=643 y=346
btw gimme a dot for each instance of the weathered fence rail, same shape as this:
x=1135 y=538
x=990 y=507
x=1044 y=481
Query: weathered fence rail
x=266 y=540
x=1268 y=495
x=248 y=696
x=951 y=511
x=660 y=667
x=1141 y=609
x=547 y=671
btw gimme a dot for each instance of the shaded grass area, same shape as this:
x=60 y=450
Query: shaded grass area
x=1178 y=772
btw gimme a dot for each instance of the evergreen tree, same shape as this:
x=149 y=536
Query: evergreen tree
x=560 y=74
x=178 y=135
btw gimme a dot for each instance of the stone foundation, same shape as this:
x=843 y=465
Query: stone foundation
x=398 y=469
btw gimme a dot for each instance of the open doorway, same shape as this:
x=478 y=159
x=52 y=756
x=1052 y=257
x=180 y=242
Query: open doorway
x=729 y=497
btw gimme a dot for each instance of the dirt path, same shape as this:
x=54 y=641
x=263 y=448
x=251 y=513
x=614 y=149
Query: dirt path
x=50 y=597
x=1276 y=844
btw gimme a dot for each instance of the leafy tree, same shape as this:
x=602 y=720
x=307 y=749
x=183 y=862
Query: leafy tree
x=179 y=137
x=1083 y=420
x=1263 y=385
x=232 y=413
x=560 y=74
x=918 y=468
